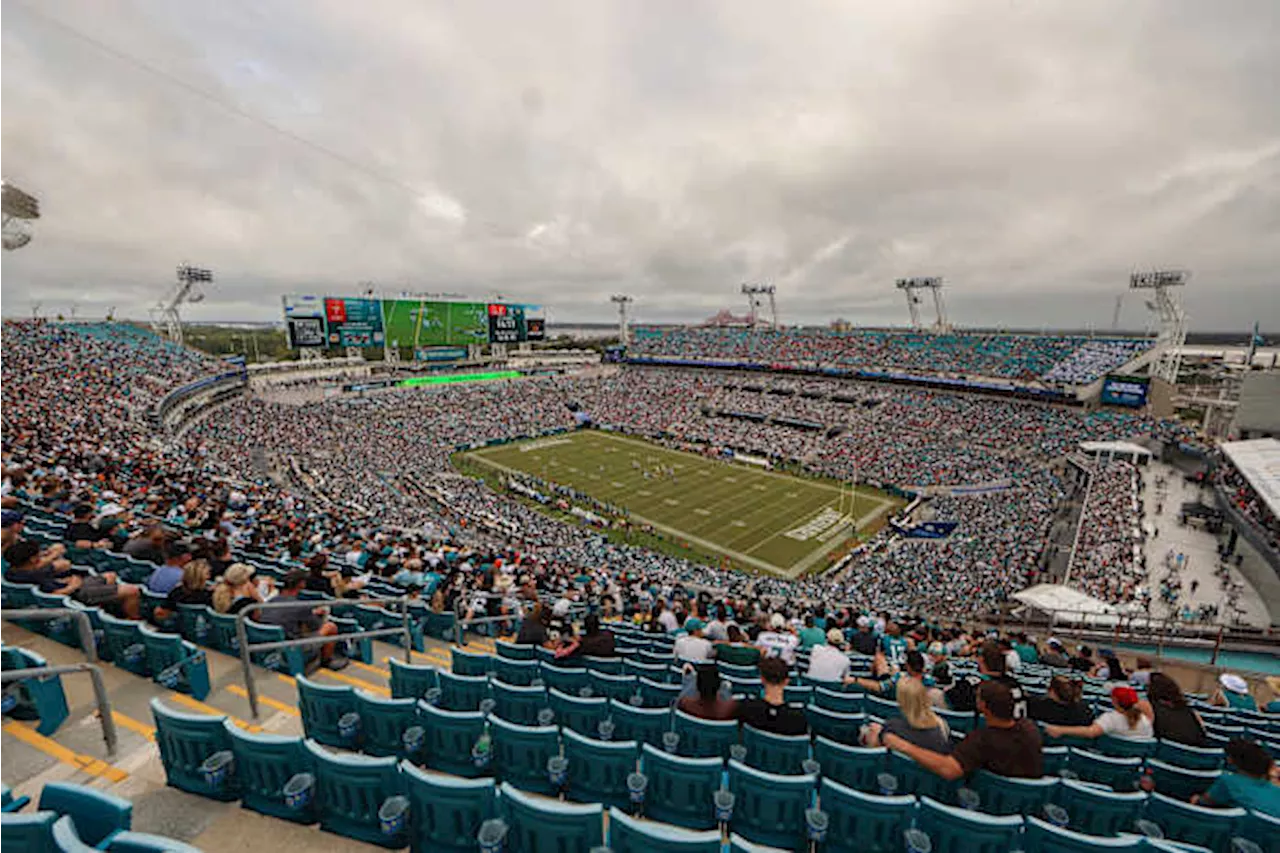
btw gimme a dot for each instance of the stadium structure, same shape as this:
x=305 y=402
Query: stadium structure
x=443 y=599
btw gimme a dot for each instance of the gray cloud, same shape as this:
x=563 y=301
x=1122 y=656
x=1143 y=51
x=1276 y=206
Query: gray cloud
x=560 y=151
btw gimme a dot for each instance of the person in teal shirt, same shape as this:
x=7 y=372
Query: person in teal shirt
x=811 y=635
x=1247 y=782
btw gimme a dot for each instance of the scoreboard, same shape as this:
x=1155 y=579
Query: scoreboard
x=320 y=321
x=1128 y=391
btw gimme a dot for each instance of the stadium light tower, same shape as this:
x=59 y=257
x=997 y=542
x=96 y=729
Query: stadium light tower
x=185 y=290
x=911 y=286
x=622 y=301
x=20 y=208
x=755 y=294
x=1167 y=306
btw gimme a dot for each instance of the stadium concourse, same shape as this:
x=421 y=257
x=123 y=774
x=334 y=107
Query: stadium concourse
x=354 y=496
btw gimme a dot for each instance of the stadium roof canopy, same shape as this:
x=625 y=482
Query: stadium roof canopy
x=1258 y=461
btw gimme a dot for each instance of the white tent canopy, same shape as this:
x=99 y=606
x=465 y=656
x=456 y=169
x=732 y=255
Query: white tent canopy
x=1051 y=597
x=1117 y=450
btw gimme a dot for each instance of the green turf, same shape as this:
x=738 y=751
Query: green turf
x=759 y=519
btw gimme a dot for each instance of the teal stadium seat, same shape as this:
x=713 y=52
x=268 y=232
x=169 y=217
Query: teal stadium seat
x=620 y=687
x=445 y=811
x=291 y=661
x=409 y=681
x=1054 y=759
x=1212 y=828
x=1122 y=748
x=30 y=832
x=608 y=666
x=680 y=789
x=1004 y=796
x=194 y=624
x=450 y=737
x=704 y=738
x=852 y=766
x=658 y=694
x=264 y=765
x=1262 y=829
x=838 y=701
x=598 y=769
x=520 y=754
x=150 y=602
x=772 y=753
x=10 y=803
x=145 y=842
x=876 y=706
x=864 y=823
x=582 y=715
x=645 y=725
x=958 y=721
x=536 y=825
x=349 y=792
x=440 y=625
x=98 y=816
x=955 y=830
x=632 y=835
x=914 y=779
x=520 y=673
x=1040 y=836
x=1094 y=810
x=568 y=680
x=383 y=723
x=63 y=629
x=124 y=643
x=769 y=808
x=186 y=741
x=66 y=839
x=1179 y=782
x=470 y=663
x=40 y=697
x=1120 y=774
x=222 y=632
x=322 y=707
x=514 y=651
x=517 y=704
x=738 y=844
x=462 y=692
x=655 y=672
x=842 y=728
x=176 y=663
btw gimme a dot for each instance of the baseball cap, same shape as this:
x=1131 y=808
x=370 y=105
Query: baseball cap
x=693 y=623
x=835 y=637
x=238 y=573
x=1125 y=697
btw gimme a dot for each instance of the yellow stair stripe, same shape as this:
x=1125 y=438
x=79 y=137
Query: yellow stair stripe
x=355 y=682
x=274 y=704
x=197 y=705
x=376 y=670
x=85 y=763
x=136 y=726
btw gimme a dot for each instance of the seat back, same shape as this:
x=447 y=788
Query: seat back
x=450 y=737
x=445 y=811
x=520 y=754
x=349 y=791
x=838 y=701
x=914 y=779
x=322 y=706
x=1003 y=795
x=42 y=697
x=852 y=766
x=833 y=725
x=124 y=644
x=31 y=832
x=1126 y=747
x=520 y=673
x=517 y=704
x=66 y=839
x=1190 y=757
x=1040 y=836
x=185 y=742
x=680 y=789
x=514 y=651
x=288 y=661
x=409 y=681
x=1262 y=829
x=462 y=692
x=955 y=830
x=568 y=680
x=877 y=706
x=470 y=663
x=769 y=808
x=775 y=753
x=96 y=814
x=222 y=632
x=620 y=687
x=656 y=672
x=383 y=723
x=264 y=765
x=608 y=666
x=598 y=769
x=864 y=823
x=1190 y=824
x=705 y=738
x=629 y=835
x=194 y=623
x=1120 y=774
x=535 y=825
x=957 y=721
x=1100 y=811
x=645 y=725
x=658 y=694
x=1180 y=782
x=582 y=715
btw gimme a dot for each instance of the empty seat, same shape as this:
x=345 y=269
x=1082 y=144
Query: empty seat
x=520 y=754
x=124 y=643
x=583 y=715
x=31 y=832
x=704 y=738
x=450 y=737
x=1100 y=811
x=955 y=830
x=1180 y=782
x=520 y=673
x=852 y=766
x=1120 y=774
x=40 y=697
x=838 y=701
x=1003 y=795
x=1190 y=824
x=658 y=694
x=462 y=692
x=598 y=769
x=1262 y=829
x=568 y=680
x=445 y=812
x=514 y=651
x=351 y=790
x=842 y=728
x=680 y=790
x=656 y=672
x=517 y=704
x=645 y=725
x=175 y=663
x=409 y=681
x=864 y=823
x=620 y=687
x=222 y=632
x=1040 y=836
x=632 y=835
x=186 y=741
x=535 y=824
x=469 y=663
x=775 y=753
x=769 y=808
x=322 y=707
x=608 y=666
x=98 y=816
x=264 y=766
x=876 y=706
x=383 y=723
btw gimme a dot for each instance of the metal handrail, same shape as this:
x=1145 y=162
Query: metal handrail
x=48 y=614
x=100 y=696
x=460 y=624
x=246 y=650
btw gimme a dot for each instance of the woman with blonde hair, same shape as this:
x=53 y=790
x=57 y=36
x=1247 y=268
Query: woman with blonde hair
x=918 y=724
x=236 y=589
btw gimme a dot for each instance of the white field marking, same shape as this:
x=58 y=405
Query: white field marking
x=815 y=527
x=671 y=502
x=574 y=470
x=644 y=492
x=705 y=473
x=759 y=487
x=617 y=485
x=543 y=443
x=593 y=476
x=739 y=523
x=730 y=479
x=793 y=494
x=701 y=511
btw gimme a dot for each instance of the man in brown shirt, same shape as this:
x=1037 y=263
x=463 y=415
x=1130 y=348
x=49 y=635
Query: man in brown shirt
x=1007 y=747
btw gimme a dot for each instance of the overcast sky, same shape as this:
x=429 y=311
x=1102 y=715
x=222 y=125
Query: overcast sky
x=1031 y=153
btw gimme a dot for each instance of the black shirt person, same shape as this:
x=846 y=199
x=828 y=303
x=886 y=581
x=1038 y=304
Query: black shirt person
x=771 y=713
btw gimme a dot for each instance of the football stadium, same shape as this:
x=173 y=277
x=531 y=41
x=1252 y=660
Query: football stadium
x=374 y=529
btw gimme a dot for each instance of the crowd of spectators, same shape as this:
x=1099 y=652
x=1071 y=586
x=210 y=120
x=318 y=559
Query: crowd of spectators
x=1109 y=563
x=1246 y=499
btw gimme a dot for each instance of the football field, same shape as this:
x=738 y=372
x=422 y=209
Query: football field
x=764 y=520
